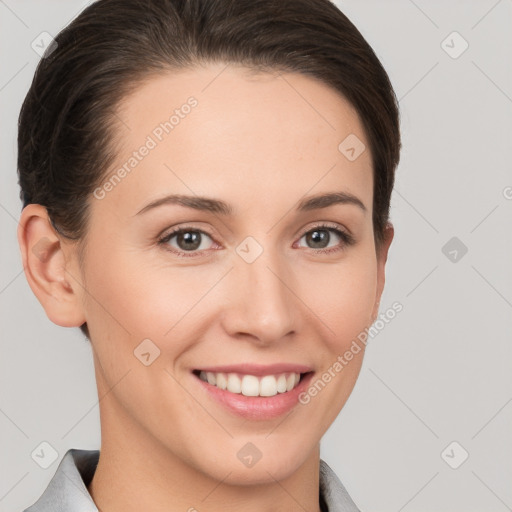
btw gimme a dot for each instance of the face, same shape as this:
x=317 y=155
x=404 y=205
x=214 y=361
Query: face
x=259 y=284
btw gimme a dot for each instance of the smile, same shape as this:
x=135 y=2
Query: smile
x=255 y=392
x=252 y=385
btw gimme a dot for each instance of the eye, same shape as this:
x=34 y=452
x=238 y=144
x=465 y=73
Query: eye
x=320 y=237
x=193 y=242
x=187 y=240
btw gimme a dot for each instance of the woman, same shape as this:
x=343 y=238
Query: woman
x=264 y=135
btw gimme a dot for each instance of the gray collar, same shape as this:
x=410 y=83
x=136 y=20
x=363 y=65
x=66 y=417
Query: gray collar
x=67 y=490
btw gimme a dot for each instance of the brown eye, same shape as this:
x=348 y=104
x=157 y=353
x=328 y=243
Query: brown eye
x=327 y=239
x=186 y=240
x=318 y=238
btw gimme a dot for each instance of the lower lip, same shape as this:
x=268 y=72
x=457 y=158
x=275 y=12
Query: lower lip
x=257 y=407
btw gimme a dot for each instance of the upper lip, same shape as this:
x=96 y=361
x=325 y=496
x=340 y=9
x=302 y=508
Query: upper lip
x=258 y=369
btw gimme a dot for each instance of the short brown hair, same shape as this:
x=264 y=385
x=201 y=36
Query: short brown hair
x=65 y=137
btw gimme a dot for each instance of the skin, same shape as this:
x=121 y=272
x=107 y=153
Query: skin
x=260 y=142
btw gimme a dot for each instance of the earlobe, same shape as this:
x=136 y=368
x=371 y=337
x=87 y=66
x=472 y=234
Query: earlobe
x=46 y=268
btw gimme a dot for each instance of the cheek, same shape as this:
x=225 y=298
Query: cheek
x=342 y=297
x=140 y=299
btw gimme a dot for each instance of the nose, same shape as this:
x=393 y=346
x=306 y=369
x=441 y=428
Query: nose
x=262 y=306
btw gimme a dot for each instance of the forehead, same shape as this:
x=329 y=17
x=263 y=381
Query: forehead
x=238 y=134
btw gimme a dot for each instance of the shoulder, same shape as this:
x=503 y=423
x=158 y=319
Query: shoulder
x=334 y=494
x=67 y=490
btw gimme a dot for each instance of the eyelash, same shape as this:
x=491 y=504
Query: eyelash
x=347 y=239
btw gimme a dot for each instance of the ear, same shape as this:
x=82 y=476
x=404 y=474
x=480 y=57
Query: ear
x=48 y=267
x=382 y=256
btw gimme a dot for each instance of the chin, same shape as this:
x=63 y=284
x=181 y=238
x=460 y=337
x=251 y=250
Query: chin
x=251 y=466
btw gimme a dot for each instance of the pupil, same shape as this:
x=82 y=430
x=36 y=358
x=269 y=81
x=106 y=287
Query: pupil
x=191 y=238
x=318 y=237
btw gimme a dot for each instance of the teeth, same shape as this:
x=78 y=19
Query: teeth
x=290 y=382
x=234 y=383
x=222 y=381
x=250 y=385
x=281 y=384
x=268 y=386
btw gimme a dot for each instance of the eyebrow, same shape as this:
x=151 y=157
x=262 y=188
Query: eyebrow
x=218 y=206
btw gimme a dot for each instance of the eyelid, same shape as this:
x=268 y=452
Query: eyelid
x=173 y=230
x=326 y=225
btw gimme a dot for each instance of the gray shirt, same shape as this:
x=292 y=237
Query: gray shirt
x=67 y=490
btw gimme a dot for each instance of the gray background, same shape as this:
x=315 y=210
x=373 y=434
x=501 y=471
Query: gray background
x=439 y=372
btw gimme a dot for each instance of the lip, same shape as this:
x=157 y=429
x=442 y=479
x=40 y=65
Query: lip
x=255 y=408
